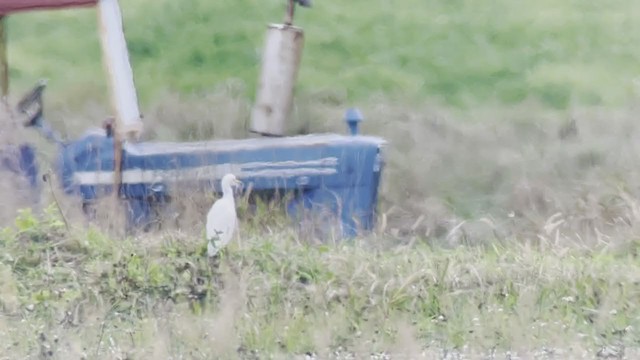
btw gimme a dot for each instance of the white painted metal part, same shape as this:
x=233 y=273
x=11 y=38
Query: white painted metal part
x=280 y=62
x=284 y=169
x=116 y=58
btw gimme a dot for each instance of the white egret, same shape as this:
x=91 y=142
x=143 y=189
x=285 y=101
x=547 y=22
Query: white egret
x=222 y=219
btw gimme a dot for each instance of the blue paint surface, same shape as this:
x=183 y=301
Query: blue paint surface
x=333 y=172
x=21 y=160
x=340 y=173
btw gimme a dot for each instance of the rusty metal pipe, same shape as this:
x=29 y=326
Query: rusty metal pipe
x=288 y=18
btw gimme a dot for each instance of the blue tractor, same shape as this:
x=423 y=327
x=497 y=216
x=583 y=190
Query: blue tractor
x=334 y=173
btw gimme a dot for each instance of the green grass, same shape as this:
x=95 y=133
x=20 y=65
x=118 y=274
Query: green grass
x=459 y=53
x=68 y=293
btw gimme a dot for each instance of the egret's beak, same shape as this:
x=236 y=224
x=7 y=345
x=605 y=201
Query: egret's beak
x=239 y=185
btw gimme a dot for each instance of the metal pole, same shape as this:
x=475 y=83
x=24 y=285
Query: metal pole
x=288 y=18
x=117 y=157
x=115 y=57
x=128 y=124
x=4 y=64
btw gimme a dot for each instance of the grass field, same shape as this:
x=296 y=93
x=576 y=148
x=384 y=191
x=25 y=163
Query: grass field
x=509 y=220
x=78 y=294
x=458 y=53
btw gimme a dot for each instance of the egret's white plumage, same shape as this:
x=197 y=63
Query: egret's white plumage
x=221 y=219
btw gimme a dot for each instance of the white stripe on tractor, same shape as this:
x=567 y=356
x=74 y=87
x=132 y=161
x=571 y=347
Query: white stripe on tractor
x=211 y=172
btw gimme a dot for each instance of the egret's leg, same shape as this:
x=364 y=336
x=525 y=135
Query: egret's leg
x=214 y=270
x=211 y=250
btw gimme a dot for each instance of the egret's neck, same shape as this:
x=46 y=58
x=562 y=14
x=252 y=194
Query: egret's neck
x=227 y=191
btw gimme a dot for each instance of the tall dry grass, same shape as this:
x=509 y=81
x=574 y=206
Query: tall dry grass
x=451 y=176
x=527 y=201
x=464 y=177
